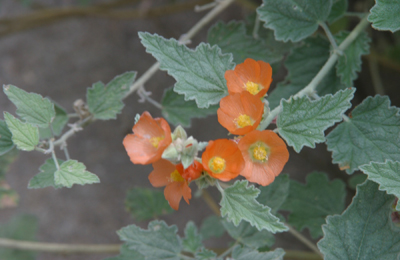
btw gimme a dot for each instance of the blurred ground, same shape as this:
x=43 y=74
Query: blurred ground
x=63 y=59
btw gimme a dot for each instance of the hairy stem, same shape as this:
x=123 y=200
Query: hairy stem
x=329 y=35
x=304 y=240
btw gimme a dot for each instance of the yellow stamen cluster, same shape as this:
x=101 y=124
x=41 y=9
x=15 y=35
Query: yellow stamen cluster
x=260 y=153
x=252 y=87
x=217 y=164
x=176 y=176
x=155 y=141
x=243 y=120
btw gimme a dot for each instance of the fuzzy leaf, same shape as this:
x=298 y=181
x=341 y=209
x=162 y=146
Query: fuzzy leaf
x=158 y=242
x=24 y=135
x=31 y=107
x=73 y=172
x=350 y=62
x=242 y=253
x=232 y=38
x=239 y=203
x=339 y=7
x=371 y=134
x=145 y=204
x=303 y=63
x=303 y=121
x=387 y=175
x=45 y=178
x=199 y=73
x=127 y=254
x=385 y=15
x=192 y=241
x=248 y=235
x=179 y=112
x=205 y=254
x=294 y=20
x=364 y=231
x=309 y=204
x=275 y=194
x=58 y=123
x=211 y=227
x=6 y=143
x=105 y=102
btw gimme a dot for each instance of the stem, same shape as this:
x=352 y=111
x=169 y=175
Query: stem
x=256 y=26
x=59 y=248
x=300 y=255
x=229 y=250
x=329 y=34
x=310 y=88
x=210 y=202
x=150 y=100
x=65 y=149
x=304 y=240
x=375 y=76
x=53 y=154
x=74 y=128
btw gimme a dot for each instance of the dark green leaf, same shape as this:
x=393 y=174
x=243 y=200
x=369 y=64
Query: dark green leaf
x=243 y=253
x=339 y=7
x=58 y=123
x=6 y=143
x=192 y=241
x=275 y=194
x=211 y=227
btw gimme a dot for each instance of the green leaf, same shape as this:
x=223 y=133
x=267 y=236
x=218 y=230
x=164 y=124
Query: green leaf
x=158 y=242
x=339 y=7
x=356 y=179
x=302 y=121
x=145 y=204
x=309 y=204
x=205 y=254
x=73 y=172
x=350 y=62
x=45 y=178
x=243 y=253
x=232 y=38
x=387 y=175
x=303 y=63
x=179 y=112
x=31 y=107
x=21 y=227
x=275 y=194
x=294 y=20
x=248 y=235
x=199 y=73
x=6 y=143
x=58 y=123
x=105 y=102
x=212 y=227
x=371 y=134
x=127 y=254
x=192 y=241
x=364 y=231
x=239 y=203
x=385 y=15
x=24 y=135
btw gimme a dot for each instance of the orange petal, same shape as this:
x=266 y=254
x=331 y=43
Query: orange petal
x=161 y=173
x=174 y=192
x=147 y=127
x=265 y=76
x=140 y=150
x=262 y=175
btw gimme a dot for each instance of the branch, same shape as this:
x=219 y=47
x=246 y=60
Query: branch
x=304 y=240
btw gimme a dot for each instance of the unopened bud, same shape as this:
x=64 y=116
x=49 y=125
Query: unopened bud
x=171 y=154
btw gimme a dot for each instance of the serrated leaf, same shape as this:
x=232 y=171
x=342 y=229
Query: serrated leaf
x=232 y=38
x=145 y=204
x=73 y=172
x=192 y=240
x=294 y=20
x=302 y=121
x=179 y=112
x=248 y=235
x=350 y=62
x=6 y=143
x=275 y=194
x=127 y=254
x=205 y=254
x=21 y=227
x=243 y=253
x=339 y=7
x=364 y=231
x=211 y=227
x=45 y=178
x=239 y=203
x=58 y=123
x=199 y=73
x=309 y=204
x=24 y=135
x=384 y=15
x=303 y=63
x=158 y=242
x=105 y=102
x=387 y=175
x=31 y=107
x=371 y=134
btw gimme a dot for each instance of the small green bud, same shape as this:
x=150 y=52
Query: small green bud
x=179 y=132
x=171 y=154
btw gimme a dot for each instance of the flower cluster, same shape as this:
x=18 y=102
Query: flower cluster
x=259 y=156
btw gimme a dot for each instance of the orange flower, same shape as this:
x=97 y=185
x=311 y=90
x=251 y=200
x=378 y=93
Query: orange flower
x=240 y=113
x=175 y=179
x=251 y=76
x=265 y=154
x=222 y=159
x=149 y=139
